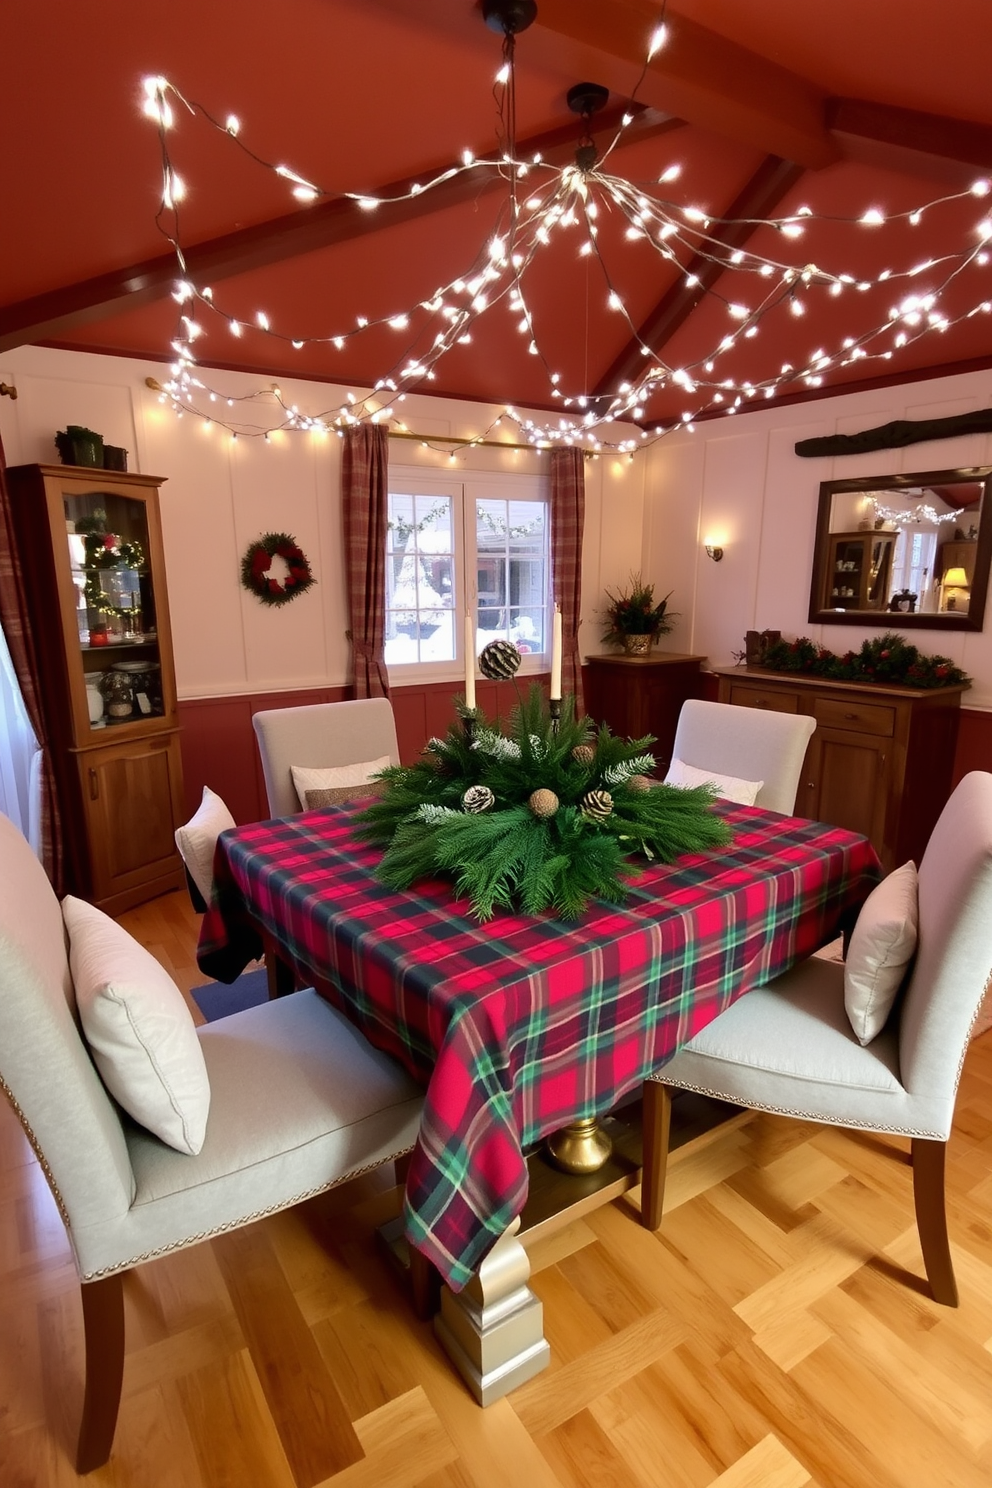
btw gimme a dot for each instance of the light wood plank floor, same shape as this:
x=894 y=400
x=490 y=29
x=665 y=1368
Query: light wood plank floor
x=776 y=1333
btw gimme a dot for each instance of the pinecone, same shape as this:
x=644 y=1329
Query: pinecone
x=639 y=783
x=597 y=805
x=583 y=754
x=478 y=798
x=543 y=803
x=499 y=660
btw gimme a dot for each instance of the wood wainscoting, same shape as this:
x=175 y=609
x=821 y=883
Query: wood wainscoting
x=218 y=741
x=974 y=751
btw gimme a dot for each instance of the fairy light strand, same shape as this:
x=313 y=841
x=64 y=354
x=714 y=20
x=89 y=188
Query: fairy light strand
x=542 y=202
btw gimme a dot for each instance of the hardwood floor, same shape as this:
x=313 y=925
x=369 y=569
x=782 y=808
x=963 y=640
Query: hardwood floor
x=775 y=1333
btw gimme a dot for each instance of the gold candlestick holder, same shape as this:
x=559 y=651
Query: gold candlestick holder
x=581 y=1147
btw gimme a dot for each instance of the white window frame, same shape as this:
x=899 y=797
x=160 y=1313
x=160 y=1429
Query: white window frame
x=465 y=487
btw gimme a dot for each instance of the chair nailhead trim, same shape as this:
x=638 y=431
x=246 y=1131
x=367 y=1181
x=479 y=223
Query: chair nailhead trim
x=897 y=1131
x=235 y=1224
x=36 y=1148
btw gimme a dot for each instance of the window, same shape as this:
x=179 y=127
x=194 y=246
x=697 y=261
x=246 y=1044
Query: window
x=912 y=567
x=478 y=545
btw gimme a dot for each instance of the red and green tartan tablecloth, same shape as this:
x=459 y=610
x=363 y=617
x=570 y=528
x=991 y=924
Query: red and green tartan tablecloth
x=520 y=1025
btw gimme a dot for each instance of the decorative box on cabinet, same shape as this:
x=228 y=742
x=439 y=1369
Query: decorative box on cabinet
x=119 y=774
x=880 y=761
x=638 y=695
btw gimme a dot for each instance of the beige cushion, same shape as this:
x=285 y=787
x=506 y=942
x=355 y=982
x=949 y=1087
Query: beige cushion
x=334 y=777
x=882 y=946
x=138 y=1028
x=342 y=795
x=198 y=838
x=729 y=787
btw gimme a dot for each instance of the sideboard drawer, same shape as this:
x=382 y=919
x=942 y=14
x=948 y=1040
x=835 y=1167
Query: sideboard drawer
x=759 y=697
x=862 y=718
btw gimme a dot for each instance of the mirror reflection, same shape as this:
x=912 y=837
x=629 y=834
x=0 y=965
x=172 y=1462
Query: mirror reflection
x=909 y=545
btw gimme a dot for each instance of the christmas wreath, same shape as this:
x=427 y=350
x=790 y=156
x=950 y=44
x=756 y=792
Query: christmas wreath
x=104 y=550
x=887 y=658
x=539 y=820
x=257 y=562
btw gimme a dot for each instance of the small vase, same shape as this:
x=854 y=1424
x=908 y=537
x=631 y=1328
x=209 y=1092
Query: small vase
x=636 y=645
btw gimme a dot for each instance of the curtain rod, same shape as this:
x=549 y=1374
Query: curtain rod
x=504 y=444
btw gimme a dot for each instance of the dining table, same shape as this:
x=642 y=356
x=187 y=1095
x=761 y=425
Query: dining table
x=521 y=1024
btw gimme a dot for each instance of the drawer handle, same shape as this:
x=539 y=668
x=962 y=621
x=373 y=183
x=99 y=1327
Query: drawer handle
x=853 y=716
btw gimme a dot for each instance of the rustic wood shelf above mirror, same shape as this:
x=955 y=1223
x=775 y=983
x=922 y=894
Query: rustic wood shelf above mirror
x=904 y=551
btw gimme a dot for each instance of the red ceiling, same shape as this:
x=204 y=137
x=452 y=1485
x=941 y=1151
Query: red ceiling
x=355 y=95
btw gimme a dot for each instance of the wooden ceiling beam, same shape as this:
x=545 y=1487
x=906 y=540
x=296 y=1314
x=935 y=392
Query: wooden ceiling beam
x=307 y=230
x=699 y=75
x=906 y=139
x=773 y=179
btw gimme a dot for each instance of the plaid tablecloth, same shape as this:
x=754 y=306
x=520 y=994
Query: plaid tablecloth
x=518 y=1026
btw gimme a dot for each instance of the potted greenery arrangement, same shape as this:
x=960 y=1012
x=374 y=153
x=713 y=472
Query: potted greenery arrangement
x=633 y=620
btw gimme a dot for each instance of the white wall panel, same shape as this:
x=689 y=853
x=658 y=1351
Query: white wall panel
x=731 y=512
x=218 y=497
x=691 y=479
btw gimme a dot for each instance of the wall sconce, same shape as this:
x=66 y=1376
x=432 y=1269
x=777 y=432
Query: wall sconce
x=713 y=549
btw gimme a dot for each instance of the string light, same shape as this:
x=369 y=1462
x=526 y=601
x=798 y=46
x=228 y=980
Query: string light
x=566 y=197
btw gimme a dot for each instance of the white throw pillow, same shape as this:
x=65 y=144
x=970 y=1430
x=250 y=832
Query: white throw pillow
x=729 y=787
x=334 y=776
x=138 y=1027
x=882 y=945
x=198 y=838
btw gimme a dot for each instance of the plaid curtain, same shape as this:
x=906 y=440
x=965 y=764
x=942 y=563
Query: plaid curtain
x=365 y=492
x=568 y=501
x=20 y=644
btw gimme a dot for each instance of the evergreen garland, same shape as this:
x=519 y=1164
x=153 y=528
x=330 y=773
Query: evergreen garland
x=887 y=658
x=510 y=857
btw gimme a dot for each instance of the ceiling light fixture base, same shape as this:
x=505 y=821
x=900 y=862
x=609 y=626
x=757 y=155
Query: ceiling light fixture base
x=509 y=16
x=587 y=98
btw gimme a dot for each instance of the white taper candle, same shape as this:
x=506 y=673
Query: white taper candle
x=555 y=692
x=469 y=663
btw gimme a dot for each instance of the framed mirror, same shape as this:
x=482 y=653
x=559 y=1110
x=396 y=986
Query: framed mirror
x=904 y=551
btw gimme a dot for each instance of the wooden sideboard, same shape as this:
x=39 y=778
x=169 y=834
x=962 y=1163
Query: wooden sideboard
x=880 y=761
x=638 y=695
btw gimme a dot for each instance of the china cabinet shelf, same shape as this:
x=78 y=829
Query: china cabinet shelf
x=90 y=546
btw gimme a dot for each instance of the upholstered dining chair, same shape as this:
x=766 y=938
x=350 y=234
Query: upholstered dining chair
x=749 y=744
x=294 y=1101
x=790 y=1047
x=196 y=840
x=321 y=737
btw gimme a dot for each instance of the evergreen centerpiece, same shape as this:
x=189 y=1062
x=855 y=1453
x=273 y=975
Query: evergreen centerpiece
x=633 y=620
x=541 y=819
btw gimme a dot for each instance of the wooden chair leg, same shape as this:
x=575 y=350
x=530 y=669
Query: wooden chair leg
x=279 y=976
x=103 y=1325
x=655 y=1127
x=931 y=1218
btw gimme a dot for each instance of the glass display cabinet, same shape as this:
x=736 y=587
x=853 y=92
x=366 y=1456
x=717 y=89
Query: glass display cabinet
x=859 y=567
x=90 y=545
